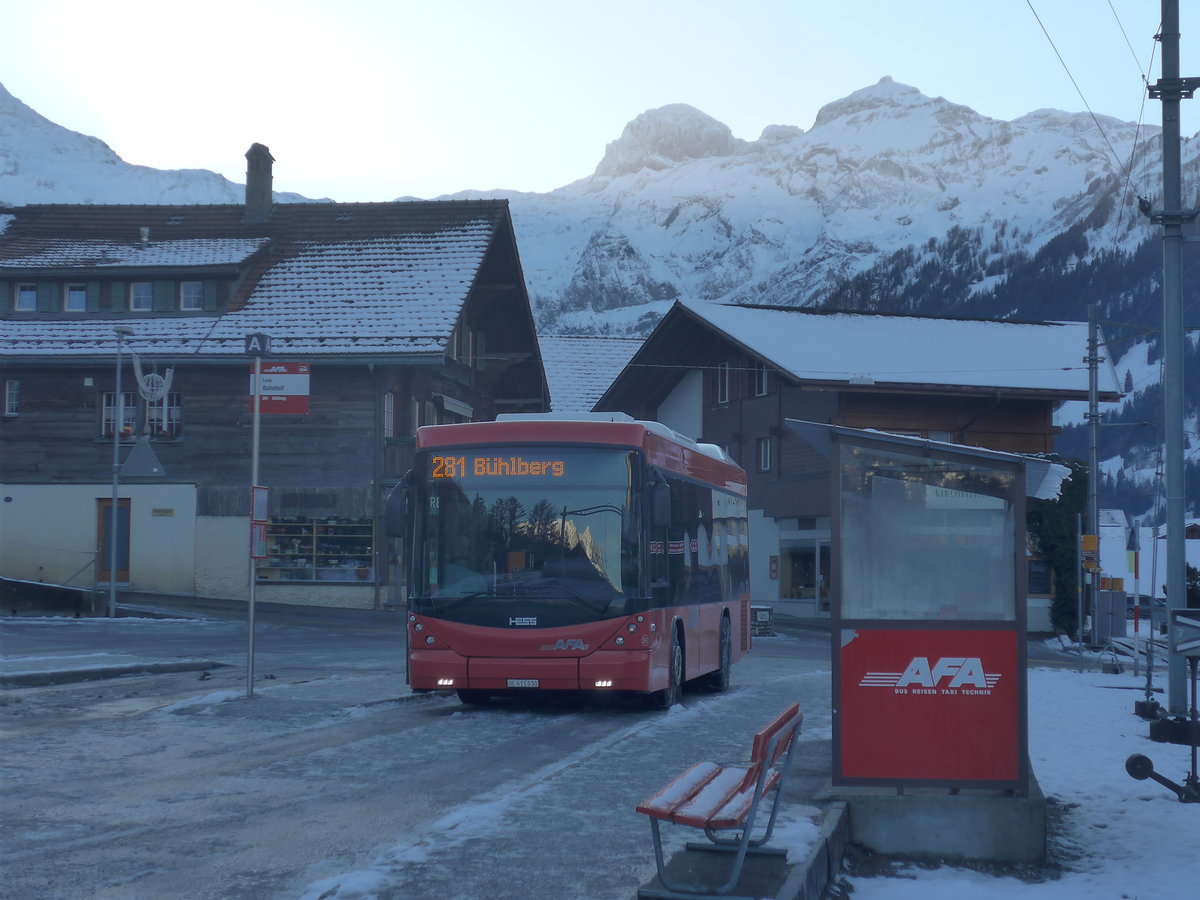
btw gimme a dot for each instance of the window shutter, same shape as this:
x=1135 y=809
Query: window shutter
x=210 y=295
x=164 y=296
x=47 y=296
x=120 y=296
x=93 y=296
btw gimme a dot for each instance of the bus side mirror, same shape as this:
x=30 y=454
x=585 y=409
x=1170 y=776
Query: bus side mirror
x=660 y=504
x=396 y=510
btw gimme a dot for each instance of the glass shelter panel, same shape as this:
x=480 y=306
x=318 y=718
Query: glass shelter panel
x=926 y=538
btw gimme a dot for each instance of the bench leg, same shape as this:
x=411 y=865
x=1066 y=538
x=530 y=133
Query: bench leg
x=680 y=891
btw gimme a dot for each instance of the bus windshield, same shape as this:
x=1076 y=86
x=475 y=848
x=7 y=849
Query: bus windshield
x=549 y=533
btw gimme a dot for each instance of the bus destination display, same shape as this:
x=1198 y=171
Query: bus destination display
x=495 y=467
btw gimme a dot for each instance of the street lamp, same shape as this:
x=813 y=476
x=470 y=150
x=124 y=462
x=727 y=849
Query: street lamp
x=122 y=332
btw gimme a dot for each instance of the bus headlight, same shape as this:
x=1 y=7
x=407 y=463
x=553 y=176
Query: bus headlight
x=619 y=641
x=430 y=640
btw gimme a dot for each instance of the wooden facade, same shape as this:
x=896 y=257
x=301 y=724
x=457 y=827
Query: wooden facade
x=720 y=387
x=746 y=400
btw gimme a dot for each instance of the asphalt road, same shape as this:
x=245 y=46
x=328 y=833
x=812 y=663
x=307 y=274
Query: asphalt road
x=333 y=780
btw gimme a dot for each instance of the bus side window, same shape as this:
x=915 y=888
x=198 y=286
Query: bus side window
x=396 y=512
x=660 y=502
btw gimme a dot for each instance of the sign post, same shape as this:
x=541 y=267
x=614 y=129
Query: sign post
x=257 y=345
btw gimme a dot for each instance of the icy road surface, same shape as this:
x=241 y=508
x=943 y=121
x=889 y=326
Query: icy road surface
x=341 y=784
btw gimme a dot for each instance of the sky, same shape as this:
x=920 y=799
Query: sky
x=364 y=100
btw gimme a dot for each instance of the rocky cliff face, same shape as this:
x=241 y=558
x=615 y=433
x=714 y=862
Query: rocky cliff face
x=679 y=208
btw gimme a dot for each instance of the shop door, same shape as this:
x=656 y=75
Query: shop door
x=809 y=568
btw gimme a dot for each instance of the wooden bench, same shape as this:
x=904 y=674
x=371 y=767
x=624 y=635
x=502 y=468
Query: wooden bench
x=723 y=799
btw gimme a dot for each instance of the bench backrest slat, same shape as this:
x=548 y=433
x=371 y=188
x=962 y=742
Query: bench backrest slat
x=772 y=742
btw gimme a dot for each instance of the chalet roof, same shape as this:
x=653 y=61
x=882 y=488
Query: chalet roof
x=881 y=350
x=62 y=254
x=580 y=368
x=320 y=278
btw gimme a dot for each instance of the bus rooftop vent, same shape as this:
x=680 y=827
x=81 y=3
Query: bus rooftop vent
x=566 y=417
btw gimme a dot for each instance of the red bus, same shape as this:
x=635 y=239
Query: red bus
x=592 y=553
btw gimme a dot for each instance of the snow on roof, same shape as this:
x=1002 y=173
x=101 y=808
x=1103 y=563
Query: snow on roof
x=59 y=254
x=888 y=349
x=339 y=279
x=579 y=369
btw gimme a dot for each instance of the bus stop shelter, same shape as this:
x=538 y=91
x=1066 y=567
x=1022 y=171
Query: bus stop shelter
x=930 y=726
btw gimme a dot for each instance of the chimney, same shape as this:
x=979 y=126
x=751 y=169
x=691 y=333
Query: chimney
x=259 y=198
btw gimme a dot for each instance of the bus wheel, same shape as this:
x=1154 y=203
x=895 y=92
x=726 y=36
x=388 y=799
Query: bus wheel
x=475 y=698
x=718 y=679
x=671 y=694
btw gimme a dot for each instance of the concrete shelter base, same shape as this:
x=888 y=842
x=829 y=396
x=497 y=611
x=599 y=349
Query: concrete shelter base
x=992 y=826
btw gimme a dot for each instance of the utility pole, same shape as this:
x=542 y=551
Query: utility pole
x=1093 y=418
x=1171 y=89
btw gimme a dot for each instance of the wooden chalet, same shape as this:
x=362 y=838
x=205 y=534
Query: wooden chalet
x=732 y=375
x=386 y=315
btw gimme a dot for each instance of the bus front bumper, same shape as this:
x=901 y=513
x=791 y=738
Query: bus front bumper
x=610 y=670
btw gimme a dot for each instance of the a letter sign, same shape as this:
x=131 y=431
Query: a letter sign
x=284 y=387
x=258 y=345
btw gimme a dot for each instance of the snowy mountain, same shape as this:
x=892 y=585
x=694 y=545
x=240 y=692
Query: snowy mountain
x=41 y=162
x=679 y=208
x=892 y=200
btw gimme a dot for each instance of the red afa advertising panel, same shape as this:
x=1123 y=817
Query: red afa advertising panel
x=934 y=705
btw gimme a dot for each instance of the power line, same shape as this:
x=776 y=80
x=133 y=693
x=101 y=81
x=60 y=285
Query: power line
x=1078 y=90
x=1126 y=36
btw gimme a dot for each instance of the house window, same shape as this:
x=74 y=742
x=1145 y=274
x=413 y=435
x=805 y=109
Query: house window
x=333 y=548
x=724 y=382
x=164 y=418
x=76 y=298
x=141 y=296
x=761 y=380
x=191 y=295
x=128 y=413
x=462 y=345
x=12 y=398
x=764 y=454
x=26 y=298
x=389 y=415
x=424 y=412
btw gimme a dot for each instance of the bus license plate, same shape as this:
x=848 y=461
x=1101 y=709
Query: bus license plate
x=522 y=682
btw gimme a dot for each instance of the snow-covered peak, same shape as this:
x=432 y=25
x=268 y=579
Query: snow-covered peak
x=661 y=138
x=890 y=100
